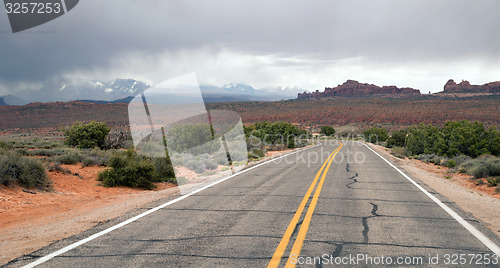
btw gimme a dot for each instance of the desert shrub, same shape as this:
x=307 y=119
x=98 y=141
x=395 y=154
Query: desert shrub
x=6 y=145
x=482 y=167
x=192 y=138
x=426 y=157
x=88 y=135
x=454 y=138
x=397 y=139
x=327 y=130
x=460 y=159
x=69 y=158
x=375 y=135
x=163 y=170
x=451 y=163
x=210 y=164
x=22 y=152
x=45 y=152
x=399 y=152
x=95 y=157
x=239 y=156
x=128 y=169
x=493 y=181
x=221 y=158
x=255 y=154
x=19 y=170
x=282 y=133
x=196 y=165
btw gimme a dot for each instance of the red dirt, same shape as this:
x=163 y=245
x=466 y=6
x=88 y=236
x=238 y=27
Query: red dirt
x=29 y=221
x=458 y=178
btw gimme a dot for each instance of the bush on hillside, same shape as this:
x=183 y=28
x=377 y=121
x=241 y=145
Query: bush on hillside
x=87 y=135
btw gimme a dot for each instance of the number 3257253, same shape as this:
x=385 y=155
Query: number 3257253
x=33 y=8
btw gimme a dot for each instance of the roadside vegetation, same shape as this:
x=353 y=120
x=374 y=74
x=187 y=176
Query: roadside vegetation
x=277 y=136
x=327 y=131
x=26 y=163
x=463 y=146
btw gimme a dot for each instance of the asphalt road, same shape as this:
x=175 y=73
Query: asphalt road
x=361 y=208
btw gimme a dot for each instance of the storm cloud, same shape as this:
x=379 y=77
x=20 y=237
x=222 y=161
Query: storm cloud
x=310 y=44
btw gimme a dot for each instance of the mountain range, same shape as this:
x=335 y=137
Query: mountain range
x=121 y=91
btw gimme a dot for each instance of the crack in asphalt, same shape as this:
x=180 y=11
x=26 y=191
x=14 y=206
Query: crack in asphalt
x=364 y=220
x=354 y=180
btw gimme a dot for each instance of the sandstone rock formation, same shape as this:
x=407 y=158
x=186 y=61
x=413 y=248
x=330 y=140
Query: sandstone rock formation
x=352 y=88
x=466 y=87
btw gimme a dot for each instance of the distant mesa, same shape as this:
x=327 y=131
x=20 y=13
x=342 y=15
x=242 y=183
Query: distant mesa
x=466 y=87
x=352 y=88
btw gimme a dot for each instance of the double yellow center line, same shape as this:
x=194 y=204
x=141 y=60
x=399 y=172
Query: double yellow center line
x=299 y=241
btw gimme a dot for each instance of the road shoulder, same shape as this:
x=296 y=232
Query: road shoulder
x=480 y=205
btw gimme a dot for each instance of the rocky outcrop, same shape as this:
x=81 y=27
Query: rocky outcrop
x=466 y=87
x=352 y=88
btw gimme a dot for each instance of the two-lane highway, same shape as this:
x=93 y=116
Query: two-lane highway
x=319 y=206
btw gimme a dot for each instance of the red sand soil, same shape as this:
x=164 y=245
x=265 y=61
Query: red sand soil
x=458 y=178
x=29 y=221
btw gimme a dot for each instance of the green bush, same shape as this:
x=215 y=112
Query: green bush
x=397 y=139
x=19 y=170
x=399 y=152
x=493 y=181
x=88 y=135
x=454 y=138
x=255 y=154
x=131 y=170
x=263 y=134
x=164 y=170
x=327 y=130
x=375 y=135
x=451 y=163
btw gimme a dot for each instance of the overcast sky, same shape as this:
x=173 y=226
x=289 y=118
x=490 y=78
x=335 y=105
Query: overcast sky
x=308 y=44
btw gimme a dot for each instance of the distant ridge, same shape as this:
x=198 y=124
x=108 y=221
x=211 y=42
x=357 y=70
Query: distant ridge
x=352 y=88
x=466 y=87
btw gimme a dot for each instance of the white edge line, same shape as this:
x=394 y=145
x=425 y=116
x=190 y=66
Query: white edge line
x=485 y=240
x=112 y=228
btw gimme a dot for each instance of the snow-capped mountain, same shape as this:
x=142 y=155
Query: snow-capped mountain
x=244 y=92
x=69 y=89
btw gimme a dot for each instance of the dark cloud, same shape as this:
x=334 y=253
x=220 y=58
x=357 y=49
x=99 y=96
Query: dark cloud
x=96 y=33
